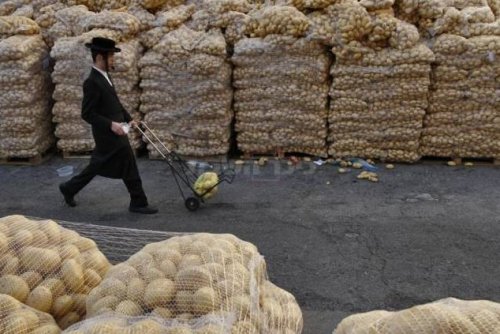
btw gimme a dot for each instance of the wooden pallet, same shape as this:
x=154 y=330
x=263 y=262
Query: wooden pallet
x=76 y=155
x=211 y=158
x=88 y=154
x=461 y=161
x=31 y=161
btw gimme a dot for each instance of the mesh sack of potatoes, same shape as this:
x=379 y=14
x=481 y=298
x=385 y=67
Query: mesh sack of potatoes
x=25 y=11
x=448 y=315
x=127 y=24
x=17 y=318
x=76 y=130
x=174 y=17
x=281 y=20
x=192 y=277
x=76 y=145
x=72 y=18
x=186 y=76
x=17 y=25
x=8 y=7
x=18 y=47
x=48 y=267
x=294 y=74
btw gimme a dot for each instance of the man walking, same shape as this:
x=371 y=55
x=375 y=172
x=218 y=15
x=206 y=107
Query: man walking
x=112 y=157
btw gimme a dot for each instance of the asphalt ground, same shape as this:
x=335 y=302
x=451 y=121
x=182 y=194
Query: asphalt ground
x=339 y=244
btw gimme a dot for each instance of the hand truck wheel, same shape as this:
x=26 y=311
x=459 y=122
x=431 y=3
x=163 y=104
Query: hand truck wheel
x=192 y=203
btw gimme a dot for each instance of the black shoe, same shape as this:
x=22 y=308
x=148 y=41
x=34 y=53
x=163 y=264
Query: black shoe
x=70 y=201
x=147 y=210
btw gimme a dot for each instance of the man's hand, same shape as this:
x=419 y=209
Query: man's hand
x=133 y=124
x=117 y=129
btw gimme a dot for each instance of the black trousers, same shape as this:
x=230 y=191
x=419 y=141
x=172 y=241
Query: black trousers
x=134 y=186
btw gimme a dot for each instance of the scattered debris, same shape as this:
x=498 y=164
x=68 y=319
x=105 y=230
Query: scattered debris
x=319 y=162
x=389 y=166
x=342 y=170
x=469 y=164
x=307 y=159
x=452 y=163
x=262 y=161
x=357 y=165
x=239 y=162
x=370 y=176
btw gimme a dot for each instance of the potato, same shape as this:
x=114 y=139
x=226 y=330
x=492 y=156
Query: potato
x=96 y=260
x=113 y=287
x=168 y=268
x=14 y=286
x=9 y=304
x=41 y=299
x=39 y=259
x=69 y=252
x=205 y=300
x=170 y=254
x=151 y=274
x=72 y=274
x=55 y=285
x=91 y=278
x=21 y=239
x=159 y=293
x=85 y=244
x=108 y=302
x=11 y=266
x=135 y=290
x=190 y=260
x=68 y=320
x=52 y=230
x=62 y=306
x=30 y=317
x=193 y=278
x=129 y=308
x=40 y=239
x=14 y=325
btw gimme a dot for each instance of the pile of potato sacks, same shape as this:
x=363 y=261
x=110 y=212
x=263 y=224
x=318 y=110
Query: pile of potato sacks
x=73 y=65
x=448 y=315
x=464 y=103
x=25 y=88
x=381 y=79
x=281 y=85
x=186 y=92
x=48 y=268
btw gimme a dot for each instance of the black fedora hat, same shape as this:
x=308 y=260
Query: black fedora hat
x=103 y=44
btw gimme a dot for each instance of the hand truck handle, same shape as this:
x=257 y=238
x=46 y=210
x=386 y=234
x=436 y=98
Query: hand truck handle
x=151 y=140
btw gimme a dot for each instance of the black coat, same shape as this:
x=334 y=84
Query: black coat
x=112 y=157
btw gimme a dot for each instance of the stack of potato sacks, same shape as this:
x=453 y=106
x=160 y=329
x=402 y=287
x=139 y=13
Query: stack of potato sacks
x=48 y=268
x=281 y=82
x=448 y=315
x=25 y=88
x=200 y=283
x=186 y=92
x=380 y=83
x=464 y=105
x=73 y=65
